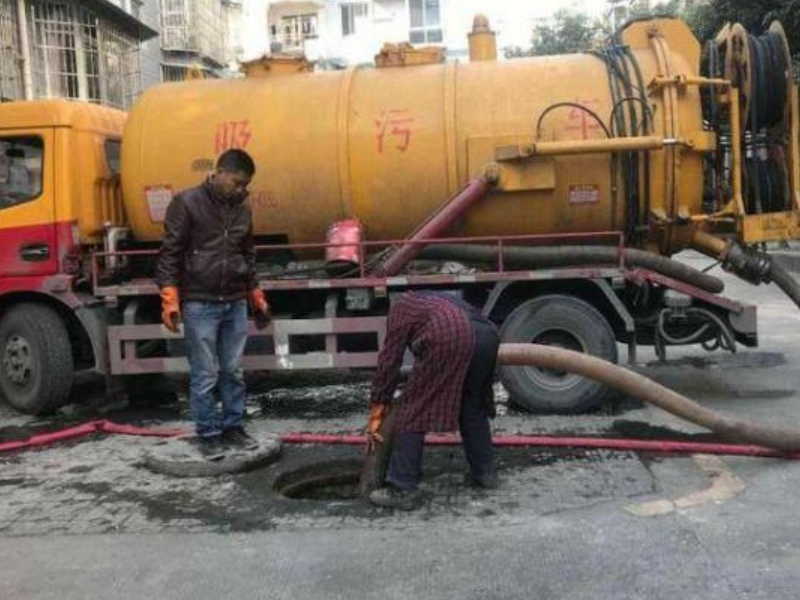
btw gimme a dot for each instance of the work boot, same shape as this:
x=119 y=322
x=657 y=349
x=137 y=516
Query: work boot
x=211 y=447
x=392 y=497
x=238 y=438
x=490 y=481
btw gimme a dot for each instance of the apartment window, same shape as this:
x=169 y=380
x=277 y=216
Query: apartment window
x=77 y=54
x=295 y=29
x=350 y=12
x=20 y=169
x=426 y=21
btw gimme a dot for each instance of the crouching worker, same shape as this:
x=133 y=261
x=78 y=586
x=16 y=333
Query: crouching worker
x=207 y=274
x=449 y=388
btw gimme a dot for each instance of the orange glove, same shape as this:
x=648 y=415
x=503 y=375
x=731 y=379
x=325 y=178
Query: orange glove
x=260 y=307
x=377 y=412
x=170 y=307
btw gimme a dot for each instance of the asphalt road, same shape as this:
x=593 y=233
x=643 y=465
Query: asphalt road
x=85 y=520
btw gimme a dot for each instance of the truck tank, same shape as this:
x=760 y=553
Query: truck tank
x=609 y=140
x=389 y=145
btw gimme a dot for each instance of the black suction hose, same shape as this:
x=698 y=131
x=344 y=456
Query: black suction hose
x=562 y=256
x=784 y=279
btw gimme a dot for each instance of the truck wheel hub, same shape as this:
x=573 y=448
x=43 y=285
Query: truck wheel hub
x=18 y=360
x=560 y=339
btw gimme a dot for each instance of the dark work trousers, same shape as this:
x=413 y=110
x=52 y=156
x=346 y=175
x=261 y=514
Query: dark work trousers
x=405 y=464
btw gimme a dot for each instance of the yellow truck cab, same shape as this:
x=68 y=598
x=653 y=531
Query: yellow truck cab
x=58 y=169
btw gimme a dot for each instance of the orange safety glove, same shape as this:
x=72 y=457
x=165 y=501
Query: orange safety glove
x=170 y=307
x=260 y=307
x=377 y=412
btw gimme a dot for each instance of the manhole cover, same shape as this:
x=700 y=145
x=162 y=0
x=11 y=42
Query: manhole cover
x=328 y=480
x=179 y=458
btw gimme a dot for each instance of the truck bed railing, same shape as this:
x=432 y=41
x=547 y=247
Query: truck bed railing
x=360 y=276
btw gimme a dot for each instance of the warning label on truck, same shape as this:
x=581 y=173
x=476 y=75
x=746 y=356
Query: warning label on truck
x=158 y=198
x=584 y=194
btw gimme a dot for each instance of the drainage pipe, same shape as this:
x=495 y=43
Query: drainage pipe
x=436 y=224
x=549 y=357
x=25 y=47
x=562 y=256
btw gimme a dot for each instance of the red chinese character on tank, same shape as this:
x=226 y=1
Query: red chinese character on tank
x=232 y=134
x=579 y=120
x=397 y=124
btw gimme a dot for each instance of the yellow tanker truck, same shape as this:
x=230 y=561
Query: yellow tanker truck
x=549 y=191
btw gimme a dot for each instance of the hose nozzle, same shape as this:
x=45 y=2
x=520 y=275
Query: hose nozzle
x=751 y=265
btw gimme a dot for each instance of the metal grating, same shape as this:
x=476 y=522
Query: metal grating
x=173 y=73
x=194 y=26
x=76 y=54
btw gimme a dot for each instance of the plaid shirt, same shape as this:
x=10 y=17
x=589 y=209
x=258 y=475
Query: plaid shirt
x=440 y=336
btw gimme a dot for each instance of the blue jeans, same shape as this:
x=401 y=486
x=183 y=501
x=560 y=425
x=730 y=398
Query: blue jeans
x=215 y=334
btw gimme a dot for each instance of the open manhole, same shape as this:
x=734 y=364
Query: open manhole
x=329 y=480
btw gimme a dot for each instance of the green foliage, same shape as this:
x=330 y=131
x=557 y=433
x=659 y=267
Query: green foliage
x=756 y=15
x=570 y=32
x=661 y=9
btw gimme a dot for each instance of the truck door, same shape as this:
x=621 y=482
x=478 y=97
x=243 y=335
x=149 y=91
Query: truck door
x=28 y=231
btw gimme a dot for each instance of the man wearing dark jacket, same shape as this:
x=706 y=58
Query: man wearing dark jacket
x=206 y=272
x=450 y=387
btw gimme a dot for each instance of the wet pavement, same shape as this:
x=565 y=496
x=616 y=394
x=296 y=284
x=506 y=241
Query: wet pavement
x=564 y=524
x=99 y=484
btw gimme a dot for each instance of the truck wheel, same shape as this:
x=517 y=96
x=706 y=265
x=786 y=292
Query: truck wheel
x=566 y=322
x=36 y=367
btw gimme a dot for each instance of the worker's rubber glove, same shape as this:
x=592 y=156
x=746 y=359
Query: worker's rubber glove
x=377 y=412
x=260 y=307
x=170 y=307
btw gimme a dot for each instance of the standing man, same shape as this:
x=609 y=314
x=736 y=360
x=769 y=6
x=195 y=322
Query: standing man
x=207 y=275
x=450 y=387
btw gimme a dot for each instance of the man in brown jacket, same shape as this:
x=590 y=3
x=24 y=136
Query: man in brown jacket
x=207 y=275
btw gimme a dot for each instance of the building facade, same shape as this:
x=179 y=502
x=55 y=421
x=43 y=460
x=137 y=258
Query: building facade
x=337 y=33
x=199 y=36
x=80 y=49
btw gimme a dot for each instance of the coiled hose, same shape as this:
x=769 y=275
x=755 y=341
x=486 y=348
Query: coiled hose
x=563 y=256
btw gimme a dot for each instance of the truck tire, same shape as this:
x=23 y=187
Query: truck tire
x=36 y=368
x=563 y=321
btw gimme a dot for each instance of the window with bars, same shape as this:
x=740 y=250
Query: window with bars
x=76 y=54
x=350 y=12
x=173 y=73
x=295 y=29
x=426 y=21
x=193 y=26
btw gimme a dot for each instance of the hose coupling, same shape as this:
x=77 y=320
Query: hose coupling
x=751 y=265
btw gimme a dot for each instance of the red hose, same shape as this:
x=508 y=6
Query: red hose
x=664 y=446
x=101 y=426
